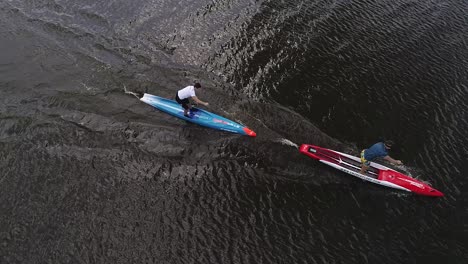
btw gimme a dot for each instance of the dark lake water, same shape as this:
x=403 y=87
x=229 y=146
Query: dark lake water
x=88 y=174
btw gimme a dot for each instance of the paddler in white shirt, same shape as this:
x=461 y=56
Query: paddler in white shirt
x=183 y=95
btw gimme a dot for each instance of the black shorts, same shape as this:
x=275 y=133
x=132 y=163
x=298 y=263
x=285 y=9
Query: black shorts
x=184 y=102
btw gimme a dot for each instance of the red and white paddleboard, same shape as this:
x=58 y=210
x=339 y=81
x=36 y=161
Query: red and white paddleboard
x=377 y=173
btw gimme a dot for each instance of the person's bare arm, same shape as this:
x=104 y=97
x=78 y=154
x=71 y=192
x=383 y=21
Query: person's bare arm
x=198 y=101
x=391 y=160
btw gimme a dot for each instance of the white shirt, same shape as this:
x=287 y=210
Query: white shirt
x=187 y=92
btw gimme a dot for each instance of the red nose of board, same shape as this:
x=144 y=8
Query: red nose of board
x=249 y=132
x=435 y=193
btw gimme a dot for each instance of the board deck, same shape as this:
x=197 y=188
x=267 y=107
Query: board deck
x=376 y=173
x=198 y=116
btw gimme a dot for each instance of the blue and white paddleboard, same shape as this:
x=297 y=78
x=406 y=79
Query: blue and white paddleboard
x=198 y=116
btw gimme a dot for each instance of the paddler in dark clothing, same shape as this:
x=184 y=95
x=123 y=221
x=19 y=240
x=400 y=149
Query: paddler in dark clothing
x=377 y=150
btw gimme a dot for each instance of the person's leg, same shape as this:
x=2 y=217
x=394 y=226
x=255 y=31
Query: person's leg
x=186 y=105
x=364 y=164
x=181 y=102
x=364 y=169
x=186 y=110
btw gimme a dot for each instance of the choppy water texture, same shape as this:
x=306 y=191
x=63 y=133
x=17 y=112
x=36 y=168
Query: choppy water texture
x=88 y=174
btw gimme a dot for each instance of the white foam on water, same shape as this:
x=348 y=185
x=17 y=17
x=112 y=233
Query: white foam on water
x=130 y=92
x=288 y=142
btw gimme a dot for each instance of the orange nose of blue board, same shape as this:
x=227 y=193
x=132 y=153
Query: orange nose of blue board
x=249 y=132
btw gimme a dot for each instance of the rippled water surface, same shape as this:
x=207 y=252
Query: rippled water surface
x=88 y=174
